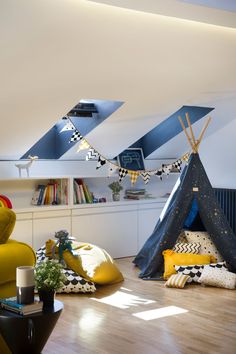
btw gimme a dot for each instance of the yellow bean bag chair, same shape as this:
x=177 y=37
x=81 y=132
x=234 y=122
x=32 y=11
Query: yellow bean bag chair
x=93 y=263
x=12 y=254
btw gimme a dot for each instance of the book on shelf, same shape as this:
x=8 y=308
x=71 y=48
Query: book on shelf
x=55 y=192
x=82 y=194
x=11 y=304
x=137 y=194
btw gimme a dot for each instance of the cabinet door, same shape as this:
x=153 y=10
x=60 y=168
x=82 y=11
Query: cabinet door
x=115 y=231
x=147 y=219
x=45 y=224
x=23 y=228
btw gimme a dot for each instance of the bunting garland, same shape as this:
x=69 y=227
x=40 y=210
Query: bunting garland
x=146 y=175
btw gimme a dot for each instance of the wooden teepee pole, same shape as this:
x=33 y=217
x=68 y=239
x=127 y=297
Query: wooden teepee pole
x=198 y=141
x=190 y=128
x=186 y=133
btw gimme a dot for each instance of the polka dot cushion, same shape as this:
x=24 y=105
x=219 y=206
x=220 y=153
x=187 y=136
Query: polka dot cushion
x=207 y=246
x=74 y=283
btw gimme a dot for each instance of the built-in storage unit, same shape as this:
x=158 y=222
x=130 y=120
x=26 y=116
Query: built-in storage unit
x=120 y=227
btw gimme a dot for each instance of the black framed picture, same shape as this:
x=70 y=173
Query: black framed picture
x=132 y=159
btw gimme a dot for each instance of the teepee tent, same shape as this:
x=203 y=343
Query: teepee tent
x=193 y=184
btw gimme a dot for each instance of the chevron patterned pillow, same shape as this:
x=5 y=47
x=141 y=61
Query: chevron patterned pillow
x=195 y=271
x=193 y=247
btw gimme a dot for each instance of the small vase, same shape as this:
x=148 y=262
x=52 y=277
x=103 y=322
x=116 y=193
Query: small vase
x=47 y=297
x=116 y=197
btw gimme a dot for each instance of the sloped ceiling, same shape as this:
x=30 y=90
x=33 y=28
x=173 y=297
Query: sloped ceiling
x=56 y=52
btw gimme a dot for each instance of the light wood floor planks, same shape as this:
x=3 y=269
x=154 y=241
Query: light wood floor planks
x=88 y=326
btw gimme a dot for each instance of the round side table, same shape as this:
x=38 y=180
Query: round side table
x=28 y=334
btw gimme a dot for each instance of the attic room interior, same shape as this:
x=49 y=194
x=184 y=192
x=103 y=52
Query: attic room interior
x=117 y=176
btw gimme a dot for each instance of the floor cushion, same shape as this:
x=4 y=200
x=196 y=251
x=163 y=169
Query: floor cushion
x=172 y=258
x=215 y=277
x=74 y=283
x=207 y=246
x=177 y=281
x=195 y=271
x=93 y=263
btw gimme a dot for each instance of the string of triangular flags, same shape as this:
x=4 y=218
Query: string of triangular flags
x=123 y=172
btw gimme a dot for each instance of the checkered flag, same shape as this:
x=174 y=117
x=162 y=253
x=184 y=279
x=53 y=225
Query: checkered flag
x=76 y=136
x=101 y=162
x=122 y=173
x=146 y=177
x=91 y=154
x=133 y=176
x=177 y=164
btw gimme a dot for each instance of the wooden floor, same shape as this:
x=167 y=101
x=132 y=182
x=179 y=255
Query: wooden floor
x=105 y=322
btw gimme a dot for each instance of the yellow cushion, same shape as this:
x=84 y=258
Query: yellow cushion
x=172 y=258
x=7 y=223
x=177 y=281
x=93 y=263
x=12 y=255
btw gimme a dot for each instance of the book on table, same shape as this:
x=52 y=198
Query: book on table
x=11 y=304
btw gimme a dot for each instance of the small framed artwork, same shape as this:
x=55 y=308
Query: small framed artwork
x=132 y=159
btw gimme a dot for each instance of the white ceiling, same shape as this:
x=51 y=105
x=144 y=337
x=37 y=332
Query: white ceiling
x=55 y=53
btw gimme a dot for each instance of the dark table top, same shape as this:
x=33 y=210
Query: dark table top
x=58 y=306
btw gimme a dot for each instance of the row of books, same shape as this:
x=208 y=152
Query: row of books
x=53 y=193
x=136 y=194
x=82 y=194
x=11 y=304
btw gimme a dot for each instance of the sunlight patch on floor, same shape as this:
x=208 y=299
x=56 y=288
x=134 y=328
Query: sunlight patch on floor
x=123 y=301
x=159 y=313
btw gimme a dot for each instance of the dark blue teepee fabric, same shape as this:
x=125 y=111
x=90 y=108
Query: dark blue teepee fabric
x=193 y=183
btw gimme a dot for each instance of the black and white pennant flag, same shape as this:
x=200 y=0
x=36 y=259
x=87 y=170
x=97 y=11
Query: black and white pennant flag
x=166 y=169
x=76 y=136
x=146 y=177
x=159 y=173
x=177 y=165
x=69 y=126
x=122 y=173
x=101 y=162
x=91 y=154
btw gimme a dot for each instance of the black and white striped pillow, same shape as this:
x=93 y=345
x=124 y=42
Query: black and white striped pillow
x=195 y=271
x=193 y=247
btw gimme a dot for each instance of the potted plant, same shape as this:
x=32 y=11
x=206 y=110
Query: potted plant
x=48 y=279
x=116 y=187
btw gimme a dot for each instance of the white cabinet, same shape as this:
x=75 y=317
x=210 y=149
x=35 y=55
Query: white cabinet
x=46 y=223
x=113 y=228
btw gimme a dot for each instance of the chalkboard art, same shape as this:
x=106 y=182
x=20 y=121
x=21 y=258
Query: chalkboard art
x=132 y=159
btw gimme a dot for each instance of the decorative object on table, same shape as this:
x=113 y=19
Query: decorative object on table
x=116 y=187
x=25 y=284
x=26 y=166
x=48 y=279
x=64 y=242
x=5 y=202
x=12 y=304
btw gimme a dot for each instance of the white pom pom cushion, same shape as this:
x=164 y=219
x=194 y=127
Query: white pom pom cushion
x=215 y=277
x=195 y=271
x=207 y=245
